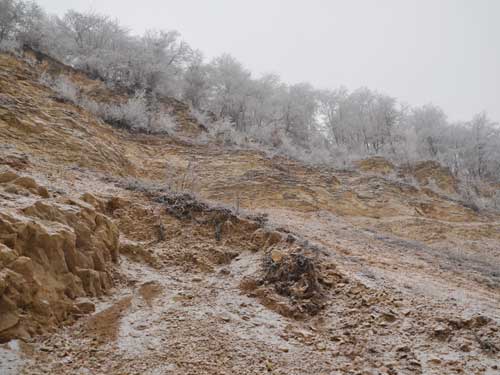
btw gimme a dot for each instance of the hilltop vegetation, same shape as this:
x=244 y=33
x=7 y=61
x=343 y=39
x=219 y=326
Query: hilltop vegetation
x=316 y=126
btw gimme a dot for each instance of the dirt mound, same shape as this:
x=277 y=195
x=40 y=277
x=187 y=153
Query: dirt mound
x=297 y=277
x=226 y=224
x=178 y=229
x=292 y=281
x=51 y=252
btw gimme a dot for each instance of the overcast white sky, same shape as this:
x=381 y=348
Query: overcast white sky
x=419 y=51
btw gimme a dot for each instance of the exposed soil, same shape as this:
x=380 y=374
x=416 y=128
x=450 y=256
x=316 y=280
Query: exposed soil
x=270 y=267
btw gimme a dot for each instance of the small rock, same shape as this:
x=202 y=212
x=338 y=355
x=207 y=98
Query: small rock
x=465 y=347
x=389 y=317
x=277 y=256
x=86 y=307
x=403 y=348
x=441 y=332
x=320 y=346
x=415 y=363
x=269 y=366
x=7 y=176
x=328 y=281
x=434 y=361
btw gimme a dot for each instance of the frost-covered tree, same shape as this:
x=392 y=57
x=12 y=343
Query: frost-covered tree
x=482 y=151
x=20 y=19
x=195 y=85
x=332 y=114
x=11 y=12
x=429 y=123
x=299 y=108
x=266 y=95
x=160 y=62
x=89 y=30
x=229 y=89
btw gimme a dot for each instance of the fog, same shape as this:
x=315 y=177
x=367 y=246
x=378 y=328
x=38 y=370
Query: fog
x=446 y=52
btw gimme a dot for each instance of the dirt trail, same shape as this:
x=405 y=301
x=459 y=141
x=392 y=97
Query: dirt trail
x=322 y=271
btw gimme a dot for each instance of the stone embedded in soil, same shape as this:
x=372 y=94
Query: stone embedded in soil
x=277 y=255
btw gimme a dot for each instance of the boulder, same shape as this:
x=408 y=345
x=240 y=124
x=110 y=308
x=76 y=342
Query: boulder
x=26 y=182
x=7 y=255
x=259 y=237
x=86 y=307
x=91 y=281
x=51 y=252
x=97 y=203
x=9 y=316
x=7 y=175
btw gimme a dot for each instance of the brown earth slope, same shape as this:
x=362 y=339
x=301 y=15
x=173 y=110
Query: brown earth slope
x=288 y=269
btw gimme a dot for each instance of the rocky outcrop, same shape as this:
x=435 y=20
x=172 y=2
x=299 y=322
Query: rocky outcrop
x=52 y=250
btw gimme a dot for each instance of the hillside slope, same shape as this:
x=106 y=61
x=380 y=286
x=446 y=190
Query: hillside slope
x=276 y=267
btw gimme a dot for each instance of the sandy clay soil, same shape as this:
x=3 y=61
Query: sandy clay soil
x=179 y=257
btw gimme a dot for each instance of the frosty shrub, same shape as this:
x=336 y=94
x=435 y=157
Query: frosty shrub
x=66 y=90
x=185 y=181
x=224 y=132
x=163 y=123
x=469 y=194
x=200 y=116
x=92 y=106
x=9 y=45
x=496 y=200
x=132 y=114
